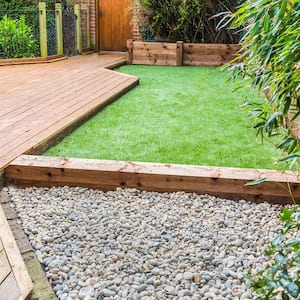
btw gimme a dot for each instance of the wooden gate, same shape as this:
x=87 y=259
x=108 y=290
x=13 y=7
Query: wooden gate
x=114 y=26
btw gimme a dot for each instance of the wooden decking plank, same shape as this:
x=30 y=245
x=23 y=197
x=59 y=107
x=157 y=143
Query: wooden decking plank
x=41 y=289
x=32 y=88
x=11 y=102
x=41 y=103
x=26 y=127
x=77 y=94
x=4 y=264
x=20 y=274
x=51 y=90
x=40 y=145
x=18 y=71
x=58 y=69
x=35 y=112
x=9 y=289
x=84 y=111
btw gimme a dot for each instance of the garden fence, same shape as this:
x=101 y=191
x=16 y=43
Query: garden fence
x=51 y=33
x=85 y=28
x=38 y=31
x=69 y=34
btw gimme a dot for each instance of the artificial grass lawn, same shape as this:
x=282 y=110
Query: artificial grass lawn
x=184 y=115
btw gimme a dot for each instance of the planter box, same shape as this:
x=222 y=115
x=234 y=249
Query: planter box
x=180 y=54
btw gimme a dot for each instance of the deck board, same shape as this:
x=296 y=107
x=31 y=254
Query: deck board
x=41 y=103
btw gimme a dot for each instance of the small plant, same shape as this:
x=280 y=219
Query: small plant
x=147 y=34
x=16 y=39
x=282 y=278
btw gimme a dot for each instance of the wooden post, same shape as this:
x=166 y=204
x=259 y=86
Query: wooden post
x=88 y=27
x=129 y=52
x=179 y=53
x=78 y=28
x=43 y=29
x=59 y=31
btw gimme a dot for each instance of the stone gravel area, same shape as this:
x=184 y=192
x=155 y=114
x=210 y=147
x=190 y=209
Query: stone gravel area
x=127 y=244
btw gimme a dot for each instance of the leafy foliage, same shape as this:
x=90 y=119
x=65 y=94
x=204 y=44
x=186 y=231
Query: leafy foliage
x=271 y=43
x=282 y=278
x=16 y=39
x=189 y=20
x=22 y=4
x=271 y=56
x=14 y=9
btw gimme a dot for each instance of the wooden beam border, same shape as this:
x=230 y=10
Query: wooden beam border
x=42 y=171
x=31 y=60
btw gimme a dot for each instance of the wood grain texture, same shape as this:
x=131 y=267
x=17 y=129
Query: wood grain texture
x=40 y=104
x=20 y=279
x=187 y=54
x=5 y=268
x=41 y=287
x=179 y=53
x=160 y=54
x=31 y=60
x=107 y=175
x=114 y=24
x=9 y=289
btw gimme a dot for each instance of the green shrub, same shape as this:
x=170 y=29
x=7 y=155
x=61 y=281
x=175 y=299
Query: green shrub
x=16 y=39
x=282 y=278
x=189 y=21
x=22 y=4
x=16 y=4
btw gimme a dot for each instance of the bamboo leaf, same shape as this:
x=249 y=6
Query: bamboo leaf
x=256 y=181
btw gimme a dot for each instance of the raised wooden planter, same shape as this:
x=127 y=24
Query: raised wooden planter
x=229 y=183
x=180 y=54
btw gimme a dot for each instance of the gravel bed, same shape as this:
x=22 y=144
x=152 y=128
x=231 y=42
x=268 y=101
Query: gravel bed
x=127 y=244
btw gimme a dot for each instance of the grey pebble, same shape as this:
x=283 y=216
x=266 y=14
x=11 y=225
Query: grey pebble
x=128 y=244
x=87 y=291
x=188 y=275
x=107 y=293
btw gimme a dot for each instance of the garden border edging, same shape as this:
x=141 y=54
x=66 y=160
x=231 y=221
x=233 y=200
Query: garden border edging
x=31 y=60
x=42 y=171
x=180 y=53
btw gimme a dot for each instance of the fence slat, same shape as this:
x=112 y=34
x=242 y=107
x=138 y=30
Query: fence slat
x=59 y=32
x=78 y=28
x=43 y=29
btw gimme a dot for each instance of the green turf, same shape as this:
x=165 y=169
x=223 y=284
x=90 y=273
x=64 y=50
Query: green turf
x=184 y=115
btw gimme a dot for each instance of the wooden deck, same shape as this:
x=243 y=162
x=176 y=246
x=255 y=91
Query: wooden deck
x=42 y=103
